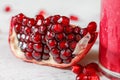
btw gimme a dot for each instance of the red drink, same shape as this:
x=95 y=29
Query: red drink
x=109 y=56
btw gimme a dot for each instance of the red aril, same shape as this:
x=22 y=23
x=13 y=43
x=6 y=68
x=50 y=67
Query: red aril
x=54 y=41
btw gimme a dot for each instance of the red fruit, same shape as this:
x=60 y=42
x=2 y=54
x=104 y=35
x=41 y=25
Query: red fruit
x=92 y=27
x=74 y=17
x=51 y=42
x=7 y=8
x=77 y=69
x=82 y=76
x=93 y=76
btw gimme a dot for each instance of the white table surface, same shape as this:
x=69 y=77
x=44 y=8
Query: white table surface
x=12 y=68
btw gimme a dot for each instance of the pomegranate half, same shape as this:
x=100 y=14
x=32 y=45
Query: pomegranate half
x=51 y=41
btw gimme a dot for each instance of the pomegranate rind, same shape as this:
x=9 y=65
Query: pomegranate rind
x=75 y=60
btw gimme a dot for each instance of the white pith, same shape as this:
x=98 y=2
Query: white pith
x=82 y=44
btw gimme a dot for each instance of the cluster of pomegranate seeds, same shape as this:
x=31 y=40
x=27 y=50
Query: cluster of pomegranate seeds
x=88 y=72
x=40 y=38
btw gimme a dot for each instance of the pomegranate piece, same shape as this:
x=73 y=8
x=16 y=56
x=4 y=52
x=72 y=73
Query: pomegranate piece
x=77 y=69
x=49 y=41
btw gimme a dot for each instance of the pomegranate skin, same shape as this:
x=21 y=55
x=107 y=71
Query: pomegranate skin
x=75 y=60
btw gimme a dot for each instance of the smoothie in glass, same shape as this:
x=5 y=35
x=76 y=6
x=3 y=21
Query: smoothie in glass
x=109 y=51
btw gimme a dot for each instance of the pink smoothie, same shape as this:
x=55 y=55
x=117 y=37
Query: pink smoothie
x=109 y=56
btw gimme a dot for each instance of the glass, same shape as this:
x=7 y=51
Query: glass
x=109 y=51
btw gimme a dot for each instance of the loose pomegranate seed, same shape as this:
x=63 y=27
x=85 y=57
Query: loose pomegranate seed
x=42 y=12
x=47 y=21
x=39 y=17
x=93 y=76
x=63 y=44
x=77 y=69
x=29 y=55
x=55 y=52
x=36 y=55
x=7 y=8
x=92 y=27
x=38 y=47
x=57 y=28
x=65 y=54
x=74 y=18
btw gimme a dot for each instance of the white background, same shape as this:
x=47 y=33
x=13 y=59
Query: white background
x=12 y=68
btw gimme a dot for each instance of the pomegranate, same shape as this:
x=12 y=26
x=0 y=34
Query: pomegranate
x=49 y=41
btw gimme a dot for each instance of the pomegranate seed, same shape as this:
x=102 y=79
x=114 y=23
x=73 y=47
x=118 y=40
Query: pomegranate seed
x=50 y=35
x=78 y=37
x=45 y=56
x=74 y=18
x=64 y=20
x=46 y=49
x=36 y=55
x=25 y=21
x=60 y=36
x=93 y=65
x=93 y=77
x=42 y=12
x=29 y=47
x=27 y=30
x=68 y=60
x=65 y=54
x=28 y=55
x=55 y=18
x=39 y=17
x=36 y=38
x=63 y=44
x=58 y=59
x=38 y=47
x=7 y=9
x=72 y=45
x=83 y=31
x=57 y=28
x=42 y=29
x=31 y=22
x=20 y=17
x=17 y=28
x=76 y=30
x=70 y=36
x=55 y=52
x=47 y=21
x=92 y=27
x=81 y=76
x=68 y=29
x=52 y=43
x=77 y=69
